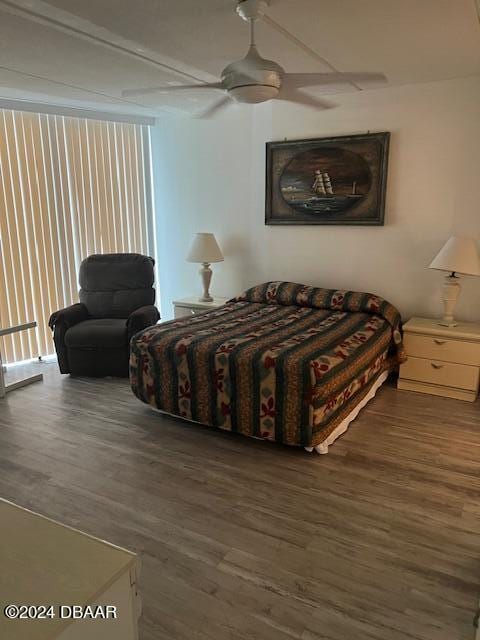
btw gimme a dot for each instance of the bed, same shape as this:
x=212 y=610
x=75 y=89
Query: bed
x=283 y=362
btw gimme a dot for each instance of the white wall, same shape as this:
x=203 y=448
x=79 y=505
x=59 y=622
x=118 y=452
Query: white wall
x=201 y=183
x=211 y=176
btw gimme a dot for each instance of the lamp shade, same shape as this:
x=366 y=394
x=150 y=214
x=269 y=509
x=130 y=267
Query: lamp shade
x=204 y=248
x=459 y=255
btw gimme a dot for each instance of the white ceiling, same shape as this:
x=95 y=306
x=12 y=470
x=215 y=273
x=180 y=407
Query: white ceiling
x=84 y=52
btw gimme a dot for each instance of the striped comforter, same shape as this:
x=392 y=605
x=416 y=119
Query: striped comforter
x=283 y=361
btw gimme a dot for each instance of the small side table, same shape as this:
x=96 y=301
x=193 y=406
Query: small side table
x=442 y=361
x=5 y=388
x=192 y=306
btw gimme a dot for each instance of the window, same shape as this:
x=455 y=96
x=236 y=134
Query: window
x=69 y=187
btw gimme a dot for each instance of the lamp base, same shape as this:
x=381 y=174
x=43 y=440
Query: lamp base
x=206 y=274
x=450 y=292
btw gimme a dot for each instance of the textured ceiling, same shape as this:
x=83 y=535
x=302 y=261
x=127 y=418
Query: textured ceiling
x=84 y=52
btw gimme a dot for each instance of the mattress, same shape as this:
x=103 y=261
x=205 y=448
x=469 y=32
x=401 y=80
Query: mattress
x=283 y=361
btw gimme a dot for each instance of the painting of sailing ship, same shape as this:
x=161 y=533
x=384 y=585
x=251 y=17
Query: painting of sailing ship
x=339 y=180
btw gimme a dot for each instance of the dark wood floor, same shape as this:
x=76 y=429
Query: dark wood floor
x=247 y=540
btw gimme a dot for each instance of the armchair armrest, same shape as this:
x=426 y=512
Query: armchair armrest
x=69 y=316
x=60 y=322
x=141 y=319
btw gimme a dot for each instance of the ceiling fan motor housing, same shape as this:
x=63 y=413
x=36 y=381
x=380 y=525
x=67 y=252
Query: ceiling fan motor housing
x=252 y=9
x=253 y=79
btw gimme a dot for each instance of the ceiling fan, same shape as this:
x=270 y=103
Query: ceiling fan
x=254 y=79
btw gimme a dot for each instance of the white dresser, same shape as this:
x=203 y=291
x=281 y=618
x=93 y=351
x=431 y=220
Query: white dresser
x=443 y=361
x=45 y=563
x=191 y=306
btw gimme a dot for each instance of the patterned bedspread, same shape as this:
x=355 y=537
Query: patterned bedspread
x=283 y=361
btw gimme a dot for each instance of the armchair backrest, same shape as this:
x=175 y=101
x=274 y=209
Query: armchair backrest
x=113 y=285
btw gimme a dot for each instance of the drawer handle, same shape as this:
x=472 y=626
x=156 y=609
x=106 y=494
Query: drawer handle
x=440 y=342
x=437 y=366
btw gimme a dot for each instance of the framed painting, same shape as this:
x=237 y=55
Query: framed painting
x=340 y=180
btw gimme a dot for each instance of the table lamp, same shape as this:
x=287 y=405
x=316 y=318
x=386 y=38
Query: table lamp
x=458 y=255
x=205 y=250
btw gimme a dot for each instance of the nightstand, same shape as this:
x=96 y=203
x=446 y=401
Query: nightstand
x=192 y=306
x=443 y=361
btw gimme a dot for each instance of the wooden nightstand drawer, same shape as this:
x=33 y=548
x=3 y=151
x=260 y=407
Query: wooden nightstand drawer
x=437 y=372
x=442 y=348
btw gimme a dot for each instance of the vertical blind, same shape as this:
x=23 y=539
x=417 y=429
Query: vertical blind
x=69 y=187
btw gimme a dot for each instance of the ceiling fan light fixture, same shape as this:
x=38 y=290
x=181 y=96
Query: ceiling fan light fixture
x=253 y=94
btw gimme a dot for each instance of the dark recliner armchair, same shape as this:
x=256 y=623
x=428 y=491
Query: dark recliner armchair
x=92 y=338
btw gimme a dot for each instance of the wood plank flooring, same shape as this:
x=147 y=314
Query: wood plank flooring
x=245 y=540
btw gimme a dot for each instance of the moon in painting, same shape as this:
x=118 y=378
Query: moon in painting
x=325 y=179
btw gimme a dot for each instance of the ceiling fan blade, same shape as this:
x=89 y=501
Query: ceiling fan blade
x=298 y=80
x=299 y=97
x=215 y=108
x=170 y=88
